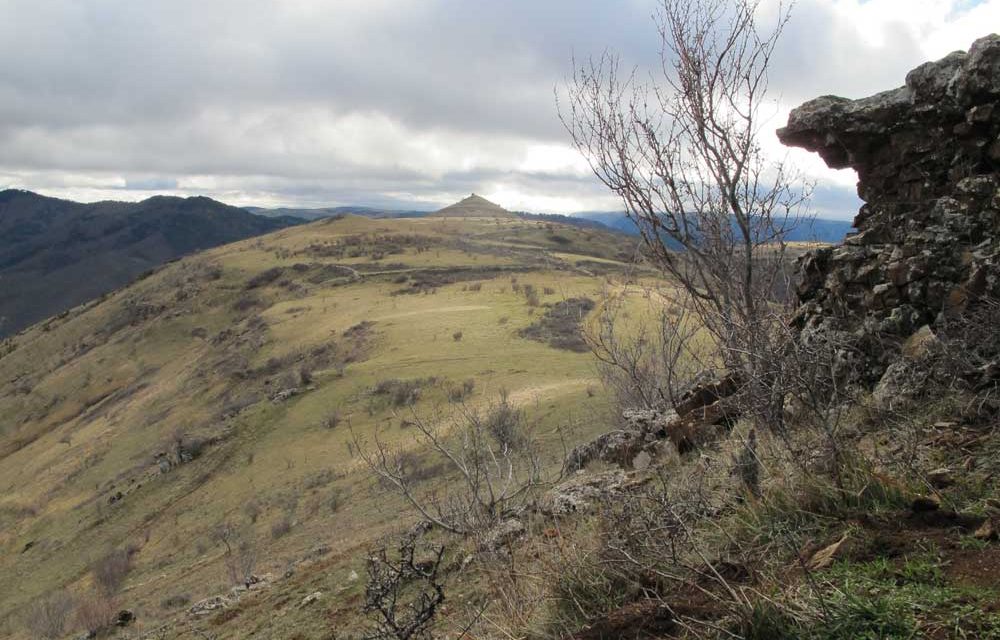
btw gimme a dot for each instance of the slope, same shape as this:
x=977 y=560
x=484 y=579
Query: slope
x=224 y=388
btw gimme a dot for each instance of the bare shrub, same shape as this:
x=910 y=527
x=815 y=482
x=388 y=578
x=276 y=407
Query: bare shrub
x=47 y=617
x=404 y=593
x=331 y=420
x=96 y=612
x=175 y=601
x=650 y=362
x=459 y=392
x=110 y=569
x=401 y=393
x=240 y=555
x=494 y=457
x=281 y=528
x=562 y=325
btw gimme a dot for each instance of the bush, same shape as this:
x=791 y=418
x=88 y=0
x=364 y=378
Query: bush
x=264 y=278
x=457 y=393
x=401 y=393
x=47 y=617
x=281 y=527
x=561 y=326
x=332 y=420
x=96 y=612
x=110 y=570
x=457 y=336
x=175 y=601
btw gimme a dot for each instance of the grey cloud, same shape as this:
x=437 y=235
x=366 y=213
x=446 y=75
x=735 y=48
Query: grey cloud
x=350 y=101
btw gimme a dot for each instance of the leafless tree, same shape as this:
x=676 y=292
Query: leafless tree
x=492 y=460
x=683 y=152
x=240 y=551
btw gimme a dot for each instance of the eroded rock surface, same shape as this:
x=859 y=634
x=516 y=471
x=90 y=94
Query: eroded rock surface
x=927 y=156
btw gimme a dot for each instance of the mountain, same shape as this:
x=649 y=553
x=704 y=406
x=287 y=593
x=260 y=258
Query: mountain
x=56 y=254
x=813 y=230
x=473 y=207
x=330 y=212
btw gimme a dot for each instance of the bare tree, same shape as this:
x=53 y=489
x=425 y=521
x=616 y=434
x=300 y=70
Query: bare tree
x=492 y=455
x=683 y=152
x=241 y=551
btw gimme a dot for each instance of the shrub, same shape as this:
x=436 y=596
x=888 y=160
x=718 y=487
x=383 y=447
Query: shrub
x=47 y=617
x=401 y=393
x=457 y=336
x=332 y=420
x=110 y=570
x=264 y=278
x=96 y=613
x=457 y=393
x=561 y=326
x=175 y=601
x=281 y=527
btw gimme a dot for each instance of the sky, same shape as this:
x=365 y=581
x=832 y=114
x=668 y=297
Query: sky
x=394 y=103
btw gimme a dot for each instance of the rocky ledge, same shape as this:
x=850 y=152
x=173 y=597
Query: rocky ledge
x=927 y=156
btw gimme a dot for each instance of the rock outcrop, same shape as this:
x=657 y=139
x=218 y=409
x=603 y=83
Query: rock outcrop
x=928 y=161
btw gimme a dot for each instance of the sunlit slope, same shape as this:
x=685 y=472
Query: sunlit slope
x=223 y=387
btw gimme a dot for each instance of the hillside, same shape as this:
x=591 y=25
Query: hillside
x=225 y=388
x=319 y=213
x=56 y=254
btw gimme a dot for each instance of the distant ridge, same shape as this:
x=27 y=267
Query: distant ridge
x=473 y=207
x=56 y=254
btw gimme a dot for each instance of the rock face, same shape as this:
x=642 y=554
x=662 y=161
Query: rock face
x=928 y=161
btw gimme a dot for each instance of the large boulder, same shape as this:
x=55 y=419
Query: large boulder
x=927 y=156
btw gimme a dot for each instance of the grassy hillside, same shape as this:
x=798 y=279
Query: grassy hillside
x=56 y=254
x=224 y=388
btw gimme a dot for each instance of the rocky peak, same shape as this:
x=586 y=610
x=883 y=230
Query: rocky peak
x=928 y=161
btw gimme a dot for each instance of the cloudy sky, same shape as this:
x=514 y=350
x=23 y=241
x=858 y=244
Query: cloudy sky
x=409 y=103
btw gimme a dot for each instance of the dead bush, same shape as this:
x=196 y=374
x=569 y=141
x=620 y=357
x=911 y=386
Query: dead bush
x=47 y=617
x=561 y=325
x=404 y=593
x=111 y=569
x=96 y=613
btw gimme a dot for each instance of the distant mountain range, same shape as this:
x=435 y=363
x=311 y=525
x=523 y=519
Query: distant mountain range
x=811 y=230
x=814 y=230
x=56 y=254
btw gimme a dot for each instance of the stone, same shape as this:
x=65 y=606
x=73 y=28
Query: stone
x=503 y=534
x=581 y=492
x=311 y=598
x=922 y=153
x=208 y=605
x=941 y=478
x=923 y=504
x=124 y=618
x=987 y=531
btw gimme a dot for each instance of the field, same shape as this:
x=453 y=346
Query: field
x=232 y=386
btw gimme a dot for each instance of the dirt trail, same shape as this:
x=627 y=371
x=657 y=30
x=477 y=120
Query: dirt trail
x=456 y=309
